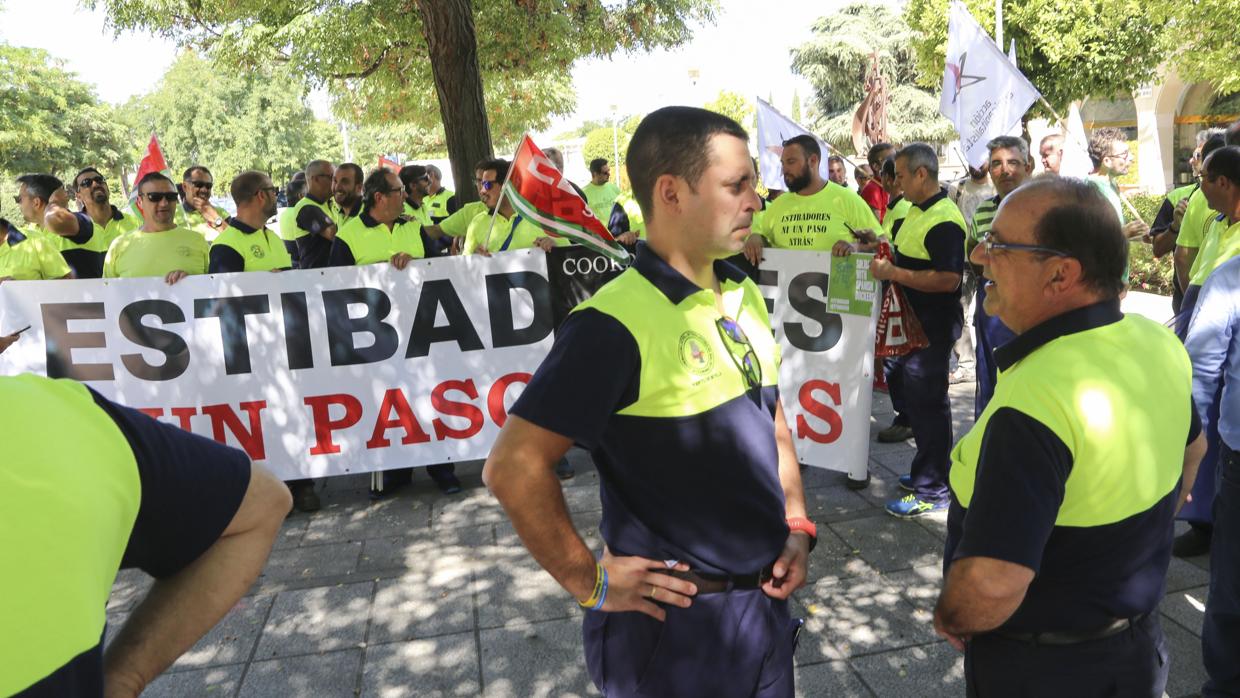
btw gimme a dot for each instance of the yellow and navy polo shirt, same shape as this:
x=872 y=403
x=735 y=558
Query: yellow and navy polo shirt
x=363 y=240
x=643 y=376
x=241 y=247
x=931 y=237
x=440 y=205
x=897 y=210
x=307 y=226
x=1073 y=469
x=25 y=258
x=83 y=252
x=1196 y=221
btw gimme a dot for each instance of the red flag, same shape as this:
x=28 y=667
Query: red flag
x=153 y=161
x=539 y=192
x=389 y=162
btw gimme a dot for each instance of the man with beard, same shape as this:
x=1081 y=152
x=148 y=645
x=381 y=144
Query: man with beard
x=417 y=183
x=1109 y=151
x=346 y=200
x=160 y=247
x=94 y=197
x=816 y=214
x=507 y=231
x=245 y=243
x=196 y=212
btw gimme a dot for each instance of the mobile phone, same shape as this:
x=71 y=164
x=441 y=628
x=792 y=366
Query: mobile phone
x=21 y=330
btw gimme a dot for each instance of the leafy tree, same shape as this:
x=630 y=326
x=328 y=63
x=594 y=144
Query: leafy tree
x=229 y=121
x=472 y=65
x=1204 y=37
x=796 y=106
x=599 y=144
x=50 y=121
x=1068 y=49
x=734 y=106
x=835 y=61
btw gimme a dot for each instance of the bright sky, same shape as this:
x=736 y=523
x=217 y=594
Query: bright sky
x=746 y=51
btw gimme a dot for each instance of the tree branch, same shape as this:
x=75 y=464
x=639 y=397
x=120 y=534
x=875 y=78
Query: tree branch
x=366 y=72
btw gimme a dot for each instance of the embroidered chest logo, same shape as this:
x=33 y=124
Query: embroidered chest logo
x=695 y=353
x=257 y=251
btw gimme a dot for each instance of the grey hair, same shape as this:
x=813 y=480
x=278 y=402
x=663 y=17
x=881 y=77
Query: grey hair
x=1009 y=143
x=918 y=155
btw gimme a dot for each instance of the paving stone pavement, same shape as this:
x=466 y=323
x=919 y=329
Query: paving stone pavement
x=426 y=595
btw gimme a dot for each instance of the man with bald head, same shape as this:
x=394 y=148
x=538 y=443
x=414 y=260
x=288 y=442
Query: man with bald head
x=311 y=224
x=1063 y=493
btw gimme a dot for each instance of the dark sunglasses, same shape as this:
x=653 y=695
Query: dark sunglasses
x=88 y=182
x=270 y=190
x=487 y=185
x=747 y=361
x=17 y=199
x=202 y=185
x=157 y=196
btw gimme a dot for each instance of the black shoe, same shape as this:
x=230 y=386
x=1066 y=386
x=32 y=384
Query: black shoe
x=448 y=484
x=1193 y=542
x=895 y=433
x=304 y=497
x=564 y=470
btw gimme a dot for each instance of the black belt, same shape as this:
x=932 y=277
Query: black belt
x=718 y=583
x=1115 y=627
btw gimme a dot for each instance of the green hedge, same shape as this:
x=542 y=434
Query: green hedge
x=1148 y=274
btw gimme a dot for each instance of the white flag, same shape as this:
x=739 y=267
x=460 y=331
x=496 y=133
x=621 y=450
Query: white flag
x=984 y=95
x=1075 y=162
x=773 y=129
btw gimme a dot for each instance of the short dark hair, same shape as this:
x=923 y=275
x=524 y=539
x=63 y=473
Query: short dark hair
x=673 y=141
x=83 y=171
x=245 y=186
x=1224 y=162
x=498 y=165
x=299 y=176
x=189 y=172
x=295 y=189
x=836 y=158
x=1100 y=143
x=1212 y=144
x=809 y=145
x=597 y=165
x=918 y=155
x=1081 y=223
x=1233 y=133
x=358 y=174
x=411 y=173
x=889 y=167
x=874 y=156
x=154 y=177
x=40 y=186
x=375 y=183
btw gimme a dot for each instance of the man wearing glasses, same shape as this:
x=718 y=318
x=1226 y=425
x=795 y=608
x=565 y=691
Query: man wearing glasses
x=160 y=247
x=499 y=228
x=1010 y=166
x=196 y=212
x=245 y=243
x=1064 y=491
x=929 y=265
x=310 y=225
x=95 y=199
x=42 y=200
x=668 y=375
x=1112 y=158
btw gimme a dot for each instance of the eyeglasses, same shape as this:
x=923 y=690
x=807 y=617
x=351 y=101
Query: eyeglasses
x=747 y=363
x=88 y=182
x=1126 y=155
x=157 y=196
x=202 y=185
x=18 y=199
x=270 y=190
x=987 y=241
x=487 y=185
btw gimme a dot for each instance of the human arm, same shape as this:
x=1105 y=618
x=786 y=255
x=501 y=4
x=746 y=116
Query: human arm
x=1212 y=340
x=340 y=255
x=316 y=221
x=926 y=280
x=979 y=594
x=1192 y=458
x=792 y=566
x=77 y=227
x=224 y=259
x=1183 y=261
x=754 y=245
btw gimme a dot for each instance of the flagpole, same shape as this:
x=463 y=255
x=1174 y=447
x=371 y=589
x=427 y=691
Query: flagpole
x=503 y=189
x=1064 y=124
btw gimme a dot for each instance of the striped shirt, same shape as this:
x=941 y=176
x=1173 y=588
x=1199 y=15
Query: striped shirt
x=983 y=218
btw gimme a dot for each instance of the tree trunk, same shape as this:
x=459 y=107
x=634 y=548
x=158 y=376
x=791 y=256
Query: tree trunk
x=453 y=47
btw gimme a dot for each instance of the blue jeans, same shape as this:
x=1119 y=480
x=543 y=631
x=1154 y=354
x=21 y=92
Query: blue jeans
x=1220 y=634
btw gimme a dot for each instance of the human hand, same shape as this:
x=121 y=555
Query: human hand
x=1136 y=229
x=400 y=260
x=865 y=236
x=629 y=238
x=753 y=249
x=790 y=570
x=841 y=249
x=482 y=250
x=1177 y=216
x=956 y=641
x=635 y=583
x=8 y=340
x=174 y=276
x=545 y=244
x=883 y=269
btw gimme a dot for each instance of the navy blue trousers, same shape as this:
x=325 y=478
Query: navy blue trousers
x=920 y=379
x=1187 y=306
x=895 y=389
x=1132 y=664
x=730 y=645
x=1220 y=634
x=991 y=333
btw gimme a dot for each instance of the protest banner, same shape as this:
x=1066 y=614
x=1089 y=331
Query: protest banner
x=358 y=369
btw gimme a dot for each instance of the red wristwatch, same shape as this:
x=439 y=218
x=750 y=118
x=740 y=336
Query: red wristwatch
x=800 y=523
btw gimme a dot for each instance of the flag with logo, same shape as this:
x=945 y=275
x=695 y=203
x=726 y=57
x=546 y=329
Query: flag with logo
x=391 y=162
x=773 y=129
x=540 y=193
x=984 y=95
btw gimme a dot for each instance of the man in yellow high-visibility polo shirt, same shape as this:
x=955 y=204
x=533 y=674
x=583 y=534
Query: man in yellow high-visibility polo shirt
x=246 y=244
x=159 y=247
x=94 y=197
x=1064 y=491
x=42 y=200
